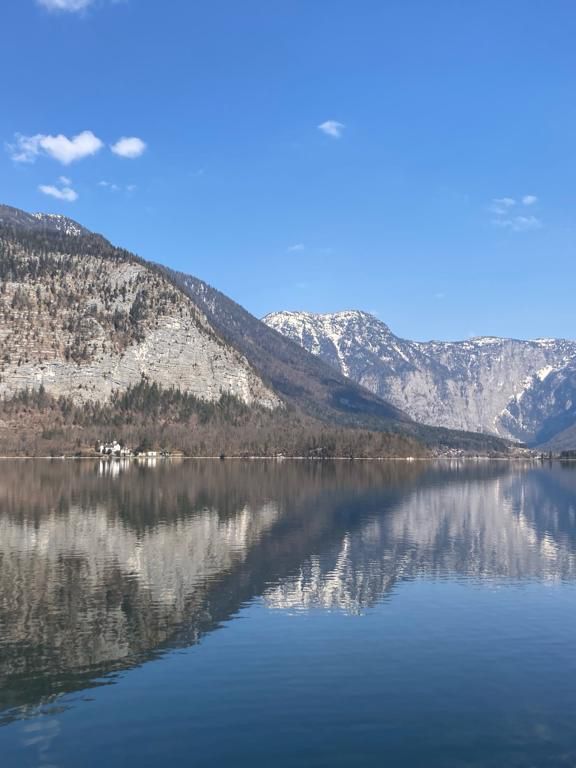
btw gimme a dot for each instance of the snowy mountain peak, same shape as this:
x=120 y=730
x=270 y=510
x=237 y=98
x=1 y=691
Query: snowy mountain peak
x=59 y=223
x=518 y=389
x=332 y=324
x=329 y=335
x=51 y=222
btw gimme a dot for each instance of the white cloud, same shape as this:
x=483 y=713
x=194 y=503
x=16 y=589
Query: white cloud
x=504 y=208
x=332 y=128
x=67 y=150
x=129 y=188
x=520 y=223
x=296 y=248
x=64 y=180
x=65 y=5
x=129 y=146
x=61 y=148
x=25 y=149
x=505 y=201
x=500 y=205
x=109 y=185
x=63 y=192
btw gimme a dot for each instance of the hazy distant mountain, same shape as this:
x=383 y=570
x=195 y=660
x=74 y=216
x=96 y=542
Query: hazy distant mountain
x=525 y=390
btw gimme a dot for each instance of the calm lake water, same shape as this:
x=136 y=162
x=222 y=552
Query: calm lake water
x=287 y=614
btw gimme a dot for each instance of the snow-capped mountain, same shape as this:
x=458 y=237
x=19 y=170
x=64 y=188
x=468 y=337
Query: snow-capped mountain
x=58 y=223
x=525 y=390
x=51 y=222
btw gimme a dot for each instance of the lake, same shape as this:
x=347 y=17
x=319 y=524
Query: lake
x=231 y=613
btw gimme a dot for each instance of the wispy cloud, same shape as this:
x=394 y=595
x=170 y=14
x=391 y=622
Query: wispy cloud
x=109 y=185
x=113 y=187
x=296 y=248
x=27 y=148
x=508 y=216
x=129 y=146
x=332 y=128
x=520 y=223
x=63 y=191
x=501 y=205
x=65 y=5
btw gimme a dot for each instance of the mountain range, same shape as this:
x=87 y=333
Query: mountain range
x=519 y=390
x=98 y=336
x=83 y=321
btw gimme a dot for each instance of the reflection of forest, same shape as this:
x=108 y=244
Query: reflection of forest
x=102 y=564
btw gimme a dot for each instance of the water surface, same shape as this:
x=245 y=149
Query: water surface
x=287 y=614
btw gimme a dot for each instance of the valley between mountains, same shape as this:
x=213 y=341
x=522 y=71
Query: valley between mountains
x=96 y=343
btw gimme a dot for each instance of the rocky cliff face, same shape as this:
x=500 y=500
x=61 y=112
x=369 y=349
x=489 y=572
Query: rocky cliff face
x=83 y=318
x=302 y=379
x=525 y=390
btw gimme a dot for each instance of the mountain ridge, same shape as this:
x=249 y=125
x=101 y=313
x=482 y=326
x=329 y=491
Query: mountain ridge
x=82 y=320
x=233 y=321
x=48 y=222
x=486 y=384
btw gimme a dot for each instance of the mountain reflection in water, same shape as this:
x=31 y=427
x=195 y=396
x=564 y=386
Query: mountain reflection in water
x=104 y=565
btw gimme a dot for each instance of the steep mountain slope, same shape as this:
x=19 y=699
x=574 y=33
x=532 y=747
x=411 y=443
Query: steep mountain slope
x=310 y=384
x=295 y=374
x=525 y=390
x=83 y=318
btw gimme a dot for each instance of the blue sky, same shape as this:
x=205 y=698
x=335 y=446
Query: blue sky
x=411 y=158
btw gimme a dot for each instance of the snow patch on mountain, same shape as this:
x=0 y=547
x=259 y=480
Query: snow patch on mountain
x=479 y=384
x=57 y=222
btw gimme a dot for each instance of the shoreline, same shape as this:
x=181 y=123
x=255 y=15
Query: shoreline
x=150 y=459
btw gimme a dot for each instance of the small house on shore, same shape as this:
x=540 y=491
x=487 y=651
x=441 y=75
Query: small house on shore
x=113 y=448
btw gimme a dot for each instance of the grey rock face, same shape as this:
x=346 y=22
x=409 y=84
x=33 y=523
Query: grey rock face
x=304 y=380
x=83 y=324
x=523 y=390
